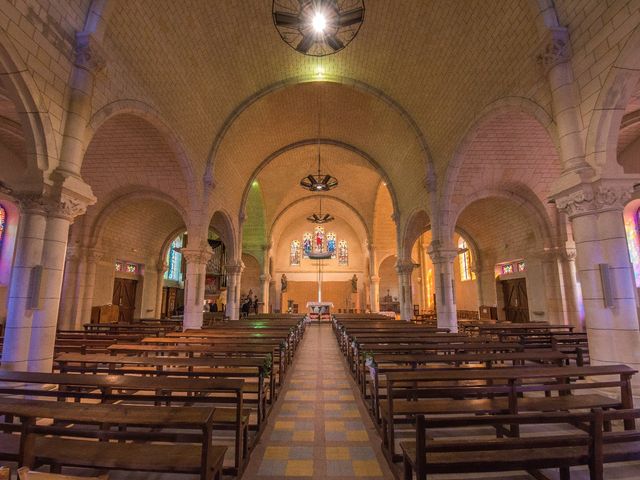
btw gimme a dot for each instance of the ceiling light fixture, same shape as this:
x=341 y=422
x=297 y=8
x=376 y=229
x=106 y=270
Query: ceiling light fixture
x=318 y=27
x=320 y=218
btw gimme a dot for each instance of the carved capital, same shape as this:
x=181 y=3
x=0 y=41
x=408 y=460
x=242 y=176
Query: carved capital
x=234 y=268
x=405 y=267
x=556 y=48
x=593 y=198
x=440 y=254
x=197 y=256
x=375 y=279
x=89 y=54
x=265 y=278
x=65 y=207
x=32 y=203
x=94 y=255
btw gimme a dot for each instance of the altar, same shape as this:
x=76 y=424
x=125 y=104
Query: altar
x=320 y=311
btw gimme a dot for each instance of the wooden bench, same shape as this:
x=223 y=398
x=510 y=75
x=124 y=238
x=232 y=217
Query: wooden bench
x=593 y=446
x=410 y=393
x=130 y=389
x=129 y=437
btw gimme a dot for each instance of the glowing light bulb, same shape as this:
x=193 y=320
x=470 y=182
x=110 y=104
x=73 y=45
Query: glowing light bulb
x=319 y=22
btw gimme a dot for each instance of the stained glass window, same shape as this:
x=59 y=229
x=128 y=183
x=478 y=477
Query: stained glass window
x=522 y=266
x=132 y=268
x=318 y=234
x=294 y=258
x=507 y=269
x=3 y=223
x=331 y=244
x=306 y=244
x=343 y=253
x=632 y=228
x=465 y=261
x=119 y=266
x=174 y=260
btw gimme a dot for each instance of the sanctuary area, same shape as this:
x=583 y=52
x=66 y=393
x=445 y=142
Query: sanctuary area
x=328 y=239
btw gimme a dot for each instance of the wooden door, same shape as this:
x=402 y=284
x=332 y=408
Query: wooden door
x=124 y=295
x=516 y=303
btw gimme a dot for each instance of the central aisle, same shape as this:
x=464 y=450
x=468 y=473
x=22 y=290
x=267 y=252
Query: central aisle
x=319 y=427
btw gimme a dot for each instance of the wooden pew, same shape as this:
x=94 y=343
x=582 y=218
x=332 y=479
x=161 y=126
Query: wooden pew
x=129 y=388
x=187 y=448
x=409 y=393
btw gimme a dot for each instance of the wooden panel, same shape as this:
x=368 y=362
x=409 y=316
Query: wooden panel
x=124 y=295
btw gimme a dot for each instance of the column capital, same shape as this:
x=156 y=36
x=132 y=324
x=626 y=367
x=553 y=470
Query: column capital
x=66 y=207
x=197 y=255
x=405 y=266
x=374 y=279
x=265 y=277
x=89 y=54
x=234 y=268
x=596 y=197
x=441 y=254
x=556 y=48
x=94 y=255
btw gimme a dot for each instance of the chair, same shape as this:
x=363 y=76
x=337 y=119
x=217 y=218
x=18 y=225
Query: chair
x=25 y=474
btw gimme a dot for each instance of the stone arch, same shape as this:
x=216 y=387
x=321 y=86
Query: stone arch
x=41 y=145
x=359 y=85
x=155 y=119
x=521 y=197
x=167 y=244
x=604 y=125
x=316 y=196
x=121 y=200
x=325 y=141
x=222 y=223
x=533 y=117
x=418 y=222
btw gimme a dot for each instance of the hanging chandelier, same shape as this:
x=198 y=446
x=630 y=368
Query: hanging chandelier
x=318 y=27
x=320 y=218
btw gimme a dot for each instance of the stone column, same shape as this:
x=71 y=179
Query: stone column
x=265 y=281
x=196 y=259
x=604 y=269
x=23 y=290
x=404 y=268
x=234 y=275
x=69 y=300
x=442 y=259
x=161 y=270
x=89 y=60
x=45 y=320
x=375 y=293
x=93 y=256
x=556 y=62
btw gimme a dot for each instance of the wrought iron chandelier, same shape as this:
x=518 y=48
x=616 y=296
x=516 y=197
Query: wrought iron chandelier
x=318 y=27
x=320 y=218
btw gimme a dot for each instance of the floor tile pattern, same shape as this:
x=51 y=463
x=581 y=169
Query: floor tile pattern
x=319 y=428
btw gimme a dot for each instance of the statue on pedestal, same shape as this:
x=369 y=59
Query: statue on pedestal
x=354 y=283
x=283 y=283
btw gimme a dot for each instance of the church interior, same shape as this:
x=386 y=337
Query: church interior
x=264 y=239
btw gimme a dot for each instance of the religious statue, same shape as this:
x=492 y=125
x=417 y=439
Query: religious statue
x=354 y=283
x=283 y=282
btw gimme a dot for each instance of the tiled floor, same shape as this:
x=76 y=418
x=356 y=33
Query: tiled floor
x=319 y=428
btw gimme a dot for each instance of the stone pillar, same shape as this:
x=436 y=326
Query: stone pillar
x=89 y=60
x=602 y=260
x=69 y=300
x=556 y=61
x=196 y=259
x=93 y=256
x=265 y=281
x=234 y=275
x=442 y=259
x=404 y=269
x=161 y=270
x=375 y=293
x=22 y=298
